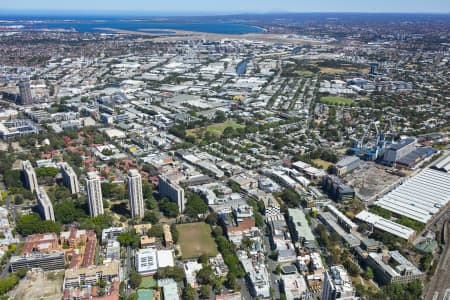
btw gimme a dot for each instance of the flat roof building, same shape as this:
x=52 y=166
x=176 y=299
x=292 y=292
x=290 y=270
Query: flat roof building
x=30 y=176
x=170 y=189
x=45 y=205
x=419 y=197
x=393 y=267
x=299 y=227
x=94 y=193
x=337 y=284
x=386 y=225
x=135 y=194
x=46 y=261
x=70 y=178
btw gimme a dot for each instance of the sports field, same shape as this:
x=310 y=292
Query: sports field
x=195 y=239
x=336 y=101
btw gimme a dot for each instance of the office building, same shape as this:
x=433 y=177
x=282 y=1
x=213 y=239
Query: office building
x=30 y=176
x=45 y=261
x=70 y=178
x=25 y=93
x=337 y=284
x=94 y=192
x=135 y=194
x=168 y=188
x=393 y=267
x=336 y=188
x=45 y=205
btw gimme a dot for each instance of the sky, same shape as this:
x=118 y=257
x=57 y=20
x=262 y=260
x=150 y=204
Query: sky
x=186 y=7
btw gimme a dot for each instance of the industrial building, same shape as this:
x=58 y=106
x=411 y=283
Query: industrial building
x=443 y=164
x=337 y=284
x=386 y=225
x=419 y=197
x=336 y=188
x=168 y=188
x=346 y=165
x=396 y=151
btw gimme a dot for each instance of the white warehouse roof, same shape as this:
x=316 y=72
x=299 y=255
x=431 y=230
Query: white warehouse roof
x=419 y=197
x=386 y=225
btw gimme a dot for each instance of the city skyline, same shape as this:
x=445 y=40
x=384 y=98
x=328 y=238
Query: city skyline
x=202 y=7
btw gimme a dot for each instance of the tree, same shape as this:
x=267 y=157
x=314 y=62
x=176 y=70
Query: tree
x=368 y=273
x=32 y=223
x=290 y=198
x=135 y=279
x=246 y=243
x=231 y=282
x=203 y=259
x=147 y=190
x=220 y=117
x=176 y=273
x=174 y=231
x=195 y=206
x=189 y=293
x=170 y=209
x=13 y=179
x=205 y=275
x=8 y=283
x=151 y=217
x=151 y=204
x=205 y=291
x=66 y=212
x=156 y=231
x=129 y=239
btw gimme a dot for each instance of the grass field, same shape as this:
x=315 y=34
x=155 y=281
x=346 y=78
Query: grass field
x=195 y=239
x=324 y=164
x=336 y=101
x=220 y=127
x=216 y=129
x=303 y=73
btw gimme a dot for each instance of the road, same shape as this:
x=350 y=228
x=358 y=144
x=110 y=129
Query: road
x=127 y=269
x=440 y=282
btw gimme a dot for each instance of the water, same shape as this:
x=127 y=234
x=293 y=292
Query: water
x=242 y=67
x=92 y=25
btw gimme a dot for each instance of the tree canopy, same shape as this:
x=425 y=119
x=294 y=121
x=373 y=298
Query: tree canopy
x=195 y=206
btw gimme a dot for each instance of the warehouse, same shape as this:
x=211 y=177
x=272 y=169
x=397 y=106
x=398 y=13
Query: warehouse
x=419 y=197
x=386 y=225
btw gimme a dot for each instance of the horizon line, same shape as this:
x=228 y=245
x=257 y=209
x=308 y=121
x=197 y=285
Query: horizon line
x=201 y=13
